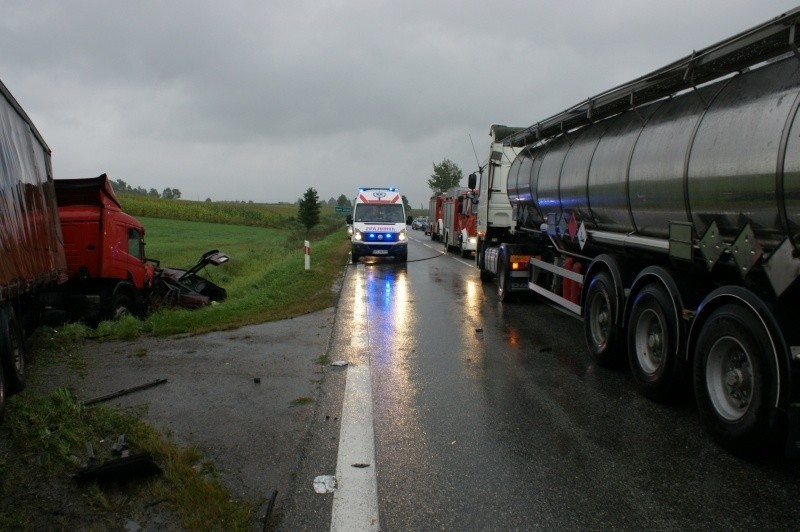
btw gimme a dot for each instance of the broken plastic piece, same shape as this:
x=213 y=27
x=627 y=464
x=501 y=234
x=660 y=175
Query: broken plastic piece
x=325 y=484
x=125 y=468
x=339 y=363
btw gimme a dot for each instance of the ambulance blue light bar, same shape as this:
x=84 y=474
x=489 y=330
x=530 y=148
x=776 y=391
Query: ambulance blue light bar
x=390 y=189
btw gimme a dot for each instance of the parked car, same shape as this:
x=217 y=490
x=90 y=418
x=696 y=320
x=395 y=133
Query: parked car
x=419 y=223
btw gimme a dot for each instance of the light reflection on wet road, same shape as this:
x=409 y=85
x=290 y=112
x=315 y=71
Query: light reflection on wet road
x=491 y=416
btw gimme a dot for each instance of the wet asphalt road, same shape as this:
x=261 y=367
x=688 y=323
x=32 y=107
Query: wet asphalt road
x=491 y=416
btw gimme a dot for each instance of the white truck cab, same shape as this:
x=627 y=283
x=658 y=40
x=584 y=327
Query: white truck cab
x=379 y=224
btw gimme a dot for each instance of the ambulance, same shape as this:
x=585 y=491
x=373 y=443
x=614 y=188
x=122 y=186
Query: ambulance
x=379 y=224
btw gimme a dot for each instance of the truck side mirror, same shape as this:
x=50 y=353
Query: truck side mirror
x=472 y=180
x=349 y=219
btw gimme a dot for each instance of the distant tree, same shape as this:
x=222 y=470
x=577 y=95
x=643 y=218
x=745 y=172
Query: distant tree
x=208 y=200
x=153 y=192
x=343 y=201
x=406 y=204
x=308 y=213
x=445 y=175
x=119 y=185
x=167 y=193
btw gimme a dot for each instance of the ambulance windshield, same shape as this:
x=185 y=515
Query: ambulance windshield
x=370 y=212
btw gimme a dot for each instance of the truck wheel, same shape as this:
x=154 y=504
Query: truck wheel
x=2 y=393
x=735 y=380
x=12 y=350
x=602 y=334
x=653 y=353
x=121 y=306
x=461 y=251
x=503 y=293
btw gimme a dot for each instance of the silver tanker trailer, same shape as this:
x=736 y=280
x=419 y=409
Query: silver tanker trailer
x=666 y=213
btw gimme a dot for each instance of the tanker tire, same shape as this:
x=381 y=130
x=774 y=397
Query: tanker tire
x=2 y=393
x=12 y=350
x=602 y=334
x=653 y=354
x=121 y=306
x=734 y=382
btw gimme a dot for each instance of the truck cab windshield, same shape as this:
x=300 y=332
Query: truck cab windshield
x=379 y=213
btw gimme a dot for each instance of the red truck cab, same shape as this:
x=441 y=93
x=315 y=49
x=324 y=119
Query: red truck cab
x=106 y=262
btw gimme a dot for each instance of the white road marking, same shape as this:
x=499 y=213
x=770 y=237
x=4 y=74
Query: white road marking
x=355 y=501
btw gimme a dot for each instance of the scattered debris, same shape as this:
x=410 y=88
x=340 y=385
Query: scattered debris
x=340 y=363
x=123 y=468
x=545 y=349
x=257 y=380
x=270 y=507
x=479 y=330
x=325 y=484
x=360 y=465
x=126 y=391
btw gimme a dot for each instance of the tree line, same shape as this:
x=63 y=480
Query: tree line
x=168 y=193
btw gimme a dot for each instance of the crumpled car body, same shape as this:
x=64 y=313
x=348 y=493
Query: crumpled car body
x=187 y=289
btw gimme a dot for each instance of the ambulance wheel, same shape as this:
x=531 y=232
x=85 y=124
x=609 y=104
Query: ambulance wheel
x=354 y=258
x=12 y=350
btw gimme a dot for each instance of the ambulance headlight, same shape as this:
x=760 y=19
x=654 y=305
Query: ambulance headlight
x=401 y=236
x=356 y=234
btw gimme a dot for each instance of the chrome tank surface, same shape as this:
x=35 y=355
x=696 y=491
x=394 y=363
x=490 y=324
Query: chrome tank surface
x=728 y=153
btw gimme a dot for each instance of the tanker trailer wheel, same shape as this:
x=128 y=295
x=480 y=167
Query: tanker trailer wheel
x=2 y=393
x=12 y=350
x=602 y=334
x=653 y=351
x=735 y=380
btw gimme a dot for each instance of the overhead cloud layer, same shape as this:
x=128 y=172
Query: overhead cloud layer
x=253 y=100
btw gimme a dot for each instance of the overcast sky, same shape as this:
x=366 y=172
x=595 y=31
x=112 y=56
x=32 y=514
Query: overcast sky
x=259 y=100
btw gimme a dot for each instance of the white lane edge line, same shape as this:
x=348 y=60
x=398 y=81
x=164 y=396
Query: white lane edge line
x=355 y=501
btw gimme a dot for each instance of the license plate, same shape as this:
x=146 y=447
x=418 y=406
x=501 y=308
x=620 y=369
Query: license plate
x=381 y=252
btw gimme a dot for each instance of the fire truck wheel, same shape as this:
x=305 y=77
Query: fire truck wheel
x=121 y=306
x=602 y=334
x=12 y=350
x=736 y=380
